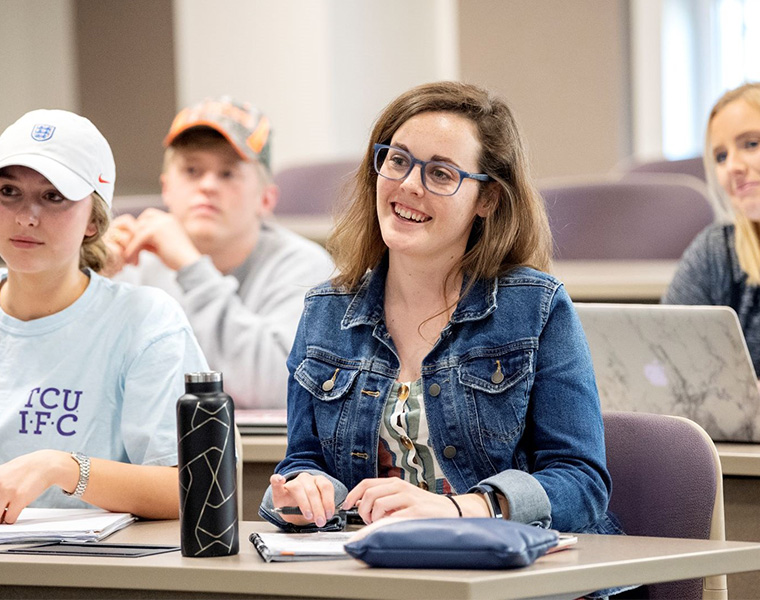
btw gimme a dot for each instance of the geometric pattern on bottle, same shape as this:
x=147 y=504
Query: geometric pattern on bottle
x=208 y=482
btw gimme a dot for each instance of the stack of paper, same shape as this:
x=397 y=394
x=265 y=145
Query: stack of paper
x=63 y=524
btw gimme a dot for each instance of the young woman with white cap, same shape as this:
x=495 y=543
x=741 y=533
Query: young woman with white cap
x=89 y=369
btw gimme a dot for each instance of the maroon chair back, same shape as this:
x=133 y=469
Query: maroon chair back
x=687 y=166
x=664 y=483
x=652 y=217
x=313 y=189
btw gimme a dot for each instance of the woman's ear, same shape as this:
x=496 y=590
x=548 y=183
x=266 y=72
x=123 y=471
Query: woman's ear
x=91 y=230
x=488 y=201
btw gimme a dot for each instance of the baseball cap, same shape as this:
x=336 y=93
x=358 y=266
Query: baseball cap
x=242 y=125
x=68 y=150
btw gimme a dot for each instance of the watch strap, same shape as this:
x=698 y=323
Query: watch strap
x=84 y=475
x=490 y=494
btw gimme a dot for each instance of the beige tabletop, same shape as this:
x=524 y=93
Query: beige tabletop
x=596 y=562
x=585 y=280
x=739 y=459
x=615 y=280
x=736 y=459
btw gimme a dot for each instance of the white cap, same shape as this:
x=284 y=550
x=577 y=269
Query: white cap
x=68 y=150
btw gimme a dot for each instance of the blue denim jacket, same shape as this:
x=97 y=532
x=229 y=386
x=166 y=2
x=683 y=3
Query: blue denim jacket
x=510 y=397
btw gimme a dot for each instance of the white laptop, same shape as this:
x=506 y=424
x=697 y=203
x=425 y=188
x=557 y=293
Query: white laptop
x=690 y=361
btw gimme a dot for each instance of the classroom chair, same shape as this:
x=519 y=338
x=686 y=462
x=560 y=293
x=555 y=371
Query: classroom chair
x=666 y=482
x=313 y=189
x=641 y=218
x=687 y=166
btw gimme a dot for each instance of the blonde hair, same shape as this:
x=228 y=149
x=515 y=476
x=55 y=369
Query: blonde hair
x=747 y=240
x=516 y=230
x=93 y=253
x=207 y=138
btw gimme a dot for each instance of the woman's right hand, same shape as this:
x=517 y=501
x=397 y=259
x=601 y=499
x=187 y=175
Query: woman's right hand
x=314 y=495
x=25 y=477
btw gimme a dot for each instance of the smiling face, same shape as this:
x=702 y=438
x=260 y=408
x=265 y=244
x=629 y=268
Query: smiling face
x=415 y=222
x=735 y=145
x=219 y=198
x=40 y=230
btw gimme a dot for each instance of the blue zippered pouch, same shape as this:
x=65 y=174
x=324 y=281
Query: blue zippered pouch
x=461 y=543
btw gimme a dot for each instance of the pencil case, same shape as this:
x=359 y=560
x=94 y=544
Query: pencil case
x=461 y=543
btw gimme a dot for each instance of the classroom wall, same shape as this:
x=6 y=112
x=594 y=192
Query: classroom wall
x=37 y=51
x=564 y=67
x=321 y=69
x=125 y=60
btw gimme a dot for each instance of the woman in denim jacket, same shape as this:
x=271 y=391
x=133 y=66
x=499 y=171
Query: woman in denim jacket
x=443 y=372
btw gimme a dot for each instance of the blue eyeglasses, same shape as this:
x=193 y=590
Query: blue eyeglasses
x=439 y=178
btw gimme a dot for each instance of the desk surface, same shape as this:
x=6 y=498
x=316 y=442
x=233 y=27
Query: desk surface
x=585 y=280
x=596 y=562
x=615 y=280
x=736 y=459
x=739 y=459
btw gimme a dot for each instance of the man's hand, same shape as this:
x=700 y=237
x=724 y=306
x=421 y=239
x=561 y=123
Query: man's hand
x=162 y=234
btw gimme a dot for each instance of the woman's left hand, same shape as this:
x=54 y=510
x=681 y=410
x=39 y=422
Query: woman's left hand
x=378 y=498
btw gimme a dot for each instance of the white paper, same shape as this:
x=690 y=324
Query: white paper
x=59 y=524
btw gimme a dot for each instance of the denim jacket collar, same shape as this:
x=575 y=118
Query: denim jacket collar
x=367 y=306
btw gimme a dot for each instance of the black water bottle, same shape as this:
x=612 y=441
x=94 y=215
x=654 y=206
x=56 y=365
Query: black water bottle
x=207 y=467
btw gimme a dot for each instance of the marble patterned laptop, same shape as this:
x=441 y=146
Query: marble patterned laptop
x=690 y=361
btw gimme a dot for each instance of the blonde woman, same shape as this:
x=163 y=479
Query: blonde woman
x=722 y=265
x=89 y=369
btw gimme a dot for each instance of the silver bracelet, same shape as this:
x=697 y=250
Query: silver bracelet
x=84 y=475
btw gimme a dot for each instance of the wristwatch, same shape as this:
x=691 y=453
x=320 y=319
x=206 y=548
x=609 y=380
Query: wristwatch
x=491 y=497
x=84 y=475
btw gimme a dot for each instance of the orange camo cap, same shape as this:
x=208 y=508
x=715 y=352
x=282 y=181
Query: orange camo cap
x=246 y=129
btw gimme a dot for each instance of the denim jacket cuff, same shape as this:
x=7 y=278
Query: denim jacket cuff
x=266 y=510
x=527 y=499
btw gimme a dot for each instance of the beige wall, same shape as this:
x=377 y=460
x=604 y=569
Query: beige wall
x=125 y=58
x=563 y=66
x=320 y=69
x=37 y=52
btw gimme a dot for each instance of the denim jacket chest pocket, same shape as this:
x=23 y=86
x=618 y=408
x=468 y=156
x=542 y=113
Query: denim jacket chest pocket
x=496 y=386
x=329 y=379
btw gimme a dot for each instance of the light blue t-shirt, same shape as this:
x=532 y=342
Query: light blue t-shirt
x=100 y=377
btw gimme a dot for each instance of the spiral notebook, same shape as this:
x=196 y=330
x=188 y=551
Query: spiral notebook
x=290 y=547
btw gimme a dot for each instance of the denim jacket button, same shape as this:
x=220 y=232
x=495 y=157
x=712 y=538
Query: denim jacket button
x=434 y=389
x=449 y=452
x=328 y=385
x=497 y=377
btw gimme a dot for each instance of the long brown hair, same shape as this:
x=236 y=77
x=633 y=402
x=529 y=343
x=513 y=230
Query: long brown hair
x=746 y=238
x=516 y=231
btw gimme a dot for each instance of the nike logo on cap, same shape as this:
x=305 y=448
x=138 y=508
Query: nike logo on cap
x=101 y=180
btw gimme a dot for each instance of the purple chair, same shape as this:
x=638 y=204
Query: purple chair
x=313 y=189
x=687 y=166
x=666 y=482
x=643 y=217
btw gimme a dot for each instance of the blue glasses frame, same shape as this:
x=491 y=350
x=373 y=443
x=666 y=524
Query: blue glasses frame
x=423 y=165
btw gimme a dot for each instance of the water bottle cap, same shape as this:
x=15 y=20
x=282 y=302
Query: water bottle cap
x=204 y=377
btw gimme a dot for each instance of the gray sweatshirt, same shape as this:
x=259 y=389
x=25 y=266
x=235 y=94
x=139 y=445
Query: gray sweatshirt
x=246 y=321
